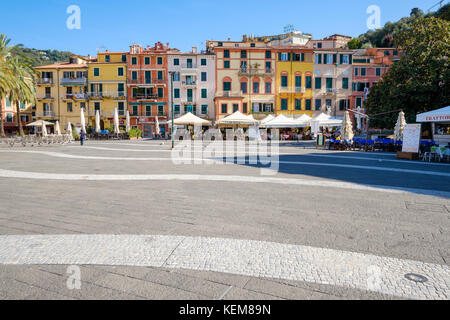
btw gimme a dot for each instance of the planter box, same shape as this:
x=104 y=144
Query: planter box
x=407 y=155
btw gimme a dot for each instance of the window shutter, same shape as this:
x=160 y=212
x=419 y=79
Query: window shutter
x=279 y=56
x=341 y=59
x=324 y=58
x=303 y=57
x=334 y=58
x=350 y=59
x=320 y=58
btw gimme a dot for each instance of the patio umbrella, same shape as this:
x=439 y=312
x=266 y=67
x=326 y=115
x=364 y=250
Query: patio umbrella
x=97 y=121
x=128 y=128
x=400 y=127
x=191 y=120
x=348 y=128
x=157 y=128
x=116 y=121
x=82 y=120
x=44 y=130
x=57 y=128
x=69 y=128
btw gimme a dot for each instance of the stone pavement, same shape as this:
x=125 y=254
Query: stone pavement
x=370 y=206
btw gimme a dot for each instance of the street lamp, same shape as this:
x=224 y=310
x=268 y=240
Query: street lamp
x=172 y=73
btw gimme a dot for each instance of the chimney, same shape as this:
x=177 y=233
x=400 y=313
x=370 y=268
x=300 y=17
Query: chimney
x=194 y=49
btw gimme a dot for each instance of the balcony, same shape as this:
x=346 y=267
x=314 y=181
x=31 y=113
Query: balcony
x=292 y=90
x=256 y=72
x=46 y=114
x=74 y=81
x=75 y=96
x=189 y=69
x=107 y=95
x=191 y=83
x=147 y=82
x=44 y=81
x=141 y=97
x=188 y=101
x=45 y=97
x=229 y=94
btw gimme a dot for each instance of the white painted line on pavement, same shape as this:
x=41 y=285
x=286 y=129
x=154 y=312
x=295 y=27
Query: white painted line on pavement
x=241 y=257
x=225 y=178
x=218 y=161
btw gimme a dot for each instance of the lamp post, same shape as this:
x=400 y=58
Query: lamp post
x=172 y=106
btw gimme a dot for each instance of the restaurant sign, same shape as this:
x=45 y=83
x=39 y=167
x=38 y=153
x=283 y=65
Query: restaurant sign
x=411 y=138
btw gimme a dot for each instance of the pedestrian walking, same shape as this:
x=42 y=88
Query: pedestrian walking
x=82 y=137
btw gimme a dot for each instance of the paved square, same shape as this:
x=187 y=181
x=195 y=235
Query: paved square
x=326 y=225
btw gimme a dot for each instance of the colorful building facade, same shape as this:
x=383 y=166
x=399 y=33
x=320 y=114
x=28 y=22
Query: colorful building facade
x=193 y=84
x=333 y=69
x=9 y=114
x=148 y=89
x=245 y=78
x=294 y=80
x=107 y=88
x=62 y=91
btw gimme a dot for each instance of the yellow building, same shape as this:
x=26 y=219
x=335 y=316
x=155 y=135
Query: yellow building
x=62 y=91
x=294 y=81
x=107 y=81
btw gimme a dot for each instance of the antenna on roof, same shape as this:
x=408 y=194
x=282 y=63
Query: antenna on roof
x=289 y=28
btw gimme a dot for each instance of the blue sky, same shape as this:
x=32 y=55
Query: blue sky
x=184 y=23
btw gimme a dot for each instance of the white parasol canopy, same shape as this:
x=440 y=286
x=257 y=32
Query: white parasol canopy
x=348 y=128
x=237 y=118
x=128 y=125
x=57 y=128
x=157 y=128
x=400 y=127
x=69 y=128
x=39 y=123
x=267 y=119
x=282 y=121
x=82 y=120
x=324 y=120
x=97 y=121
x=116 y=121
x=44 y=130
x=190 y=119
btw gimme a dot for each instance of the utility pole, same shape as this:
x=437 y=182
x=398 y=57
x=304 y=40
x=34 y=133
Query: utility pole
x=172 y=73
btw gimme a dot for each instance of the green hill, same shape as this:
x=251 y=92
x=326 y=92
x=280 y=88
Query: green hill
x=384 y=37
x=41 y=57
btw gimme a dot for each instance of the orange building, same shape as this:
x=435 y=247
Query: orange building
x=148 y=94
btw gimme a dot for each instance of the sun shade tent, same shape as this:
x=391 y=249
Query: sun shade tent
x=324 y=120
x=282 y=121
x=39 y=123
x=266 y=119
x=237 y=119
x=440 y=121
x=191 y=120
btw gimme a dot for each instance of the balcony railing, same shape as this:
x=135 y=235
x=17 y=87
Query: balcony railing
x=254 y=71
x=45 y=97
x=111 y=95
x=292 y=90
x=74 y=81
x=188 y=100
x=146 y=97
x=75 y=96
x=189 y=66
x=191 y=83
x=47 y=114
x=42 y=81
x=229 y=94
x=145 y=82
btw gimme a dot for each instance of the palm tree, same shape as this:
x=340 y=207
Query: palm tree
x=5 y=79
x=23 y=88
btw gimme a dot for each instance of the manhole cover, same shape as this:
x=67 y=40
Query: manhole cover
x=416 y=278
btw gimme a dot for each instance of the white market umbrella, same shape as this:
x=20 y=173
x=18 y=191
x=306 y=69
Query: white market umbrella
x=157 y=128
x=82 y=120
x=44 y=130
x=191 y=120
x=116 y=121
x=400 y=126
x=237 y=118
x=281 y=121
x=128 y=128
x=348 y=128
x=57 y=128
x=69 y=128
x=266 y=119
x=97 y=121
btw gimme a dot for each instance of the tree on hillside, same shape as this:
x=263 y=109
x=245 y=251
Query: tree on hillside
x=444 y=12
x=419 y=82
